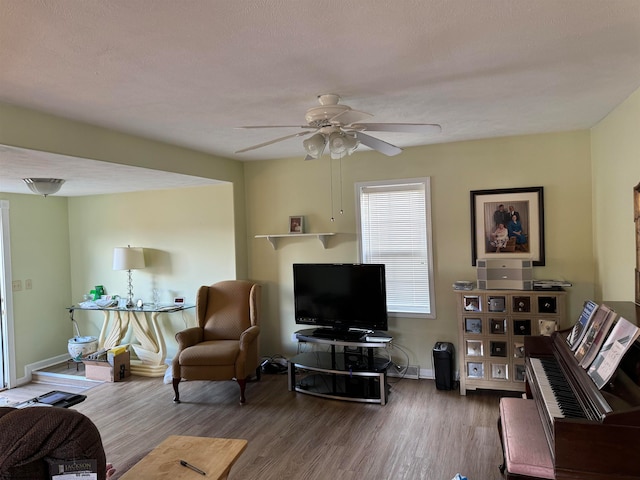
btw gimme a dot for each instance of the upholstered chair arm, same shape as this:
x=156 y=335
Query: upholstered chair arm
x=185 y=338
x=248 y=337
x=190 y=336
x=248 y=350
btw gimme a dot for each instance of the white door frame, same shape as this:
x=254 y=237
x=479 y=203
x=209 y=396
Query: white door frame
x=7 y=344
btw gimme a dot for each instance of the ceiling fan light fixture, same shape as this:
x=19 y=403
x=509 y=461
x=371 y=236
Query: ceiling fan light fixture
x=336 y=143
x=351 y=143
x=341 y=143
x=44 y=186
x=315 y=145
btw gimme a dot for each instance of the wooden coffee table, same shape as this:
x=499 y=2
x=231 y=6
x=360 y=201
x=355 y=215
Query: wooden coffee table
x=214 y=456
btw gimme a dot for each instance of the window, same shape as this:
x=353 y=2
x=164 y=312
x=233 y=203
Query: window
x=394 y=228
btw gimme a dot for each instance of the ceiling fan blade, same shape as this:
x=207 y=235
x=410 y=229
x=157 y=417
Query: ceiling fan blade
x=275 y=126
x=398 y=127
x=377 y=144
x=260 y=145
x=349 y=116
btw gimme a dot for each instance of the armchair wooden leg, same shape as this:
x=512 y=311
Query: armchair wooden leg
x=243 y=385
x=258 y=373
x=176 y=398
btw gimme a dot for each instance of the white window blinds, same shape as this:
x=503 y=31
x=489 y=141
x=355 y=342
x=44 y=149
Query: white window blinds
x=395 y=229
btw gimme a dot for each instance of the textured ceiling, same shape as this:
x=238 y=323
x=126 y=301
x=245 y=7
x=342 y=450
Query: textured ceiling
x=188 y=72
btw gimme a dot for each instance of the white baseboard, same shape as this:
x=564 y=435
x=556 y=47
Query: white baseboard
x=28 y=369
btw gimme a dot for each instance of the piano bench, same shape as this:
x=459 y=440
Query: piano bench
x=524 y=444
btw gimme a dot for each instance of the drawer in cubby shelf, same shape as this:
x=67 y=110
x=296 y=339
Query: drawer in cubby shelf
x=521 y=304
x=546 y=326
x=498 y=325
x=499 y=371
x=522 y=326
x=498 y=348
x=518 y=372
x=473 y=325
x=497 y=303
x=472 y=303
x=548 y=304
x=475 y=370
x=474 y=347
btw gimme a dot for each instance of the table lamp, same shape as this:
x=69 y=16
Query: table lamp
x=128 y=258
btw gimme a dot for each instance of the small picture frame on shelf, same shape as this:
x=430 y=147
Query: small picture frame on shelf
x=296 y=224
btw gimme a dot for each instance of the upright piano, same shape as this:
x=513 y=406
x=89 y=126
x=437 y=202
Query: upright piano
x=592 y=434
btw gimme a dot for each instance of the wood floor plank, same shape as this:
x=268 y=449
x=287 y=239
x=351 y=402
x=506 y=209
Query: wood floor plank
x=422 y=433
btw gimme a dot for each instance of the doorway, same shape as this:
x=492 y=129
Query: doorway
x=6 y=301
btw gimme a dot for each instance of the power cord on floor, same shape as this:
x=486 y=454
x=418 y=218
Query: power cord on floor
x=274 y=365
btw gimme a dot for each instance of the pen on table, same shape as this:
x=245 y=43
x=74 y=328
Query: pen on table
x=188 y=465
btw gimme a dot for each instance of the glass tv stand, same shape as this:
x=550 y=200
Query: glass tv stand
x=345 y=370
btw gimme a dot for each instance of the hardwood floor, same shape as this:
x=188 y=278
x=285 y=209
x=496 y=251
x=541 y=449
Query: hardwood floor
x=422 y=433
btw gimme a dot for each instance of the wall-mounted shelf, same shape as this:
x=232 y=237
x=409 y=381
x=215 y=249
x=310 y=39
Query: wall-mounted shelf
x=273 y=239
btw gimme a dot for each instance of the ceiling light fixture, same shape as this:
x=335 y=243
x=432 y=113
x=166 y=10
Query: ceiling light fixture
x=315 y=145
x=339 y=143
x=44 y=186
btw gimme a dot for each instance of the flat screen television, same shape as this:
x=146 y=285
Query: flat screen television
x=339 y=297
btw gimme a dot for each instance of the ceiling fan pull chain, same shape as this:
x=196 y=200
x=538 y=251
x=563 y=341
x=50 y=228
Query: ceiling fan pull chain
x=331 y=186
x=341 y=210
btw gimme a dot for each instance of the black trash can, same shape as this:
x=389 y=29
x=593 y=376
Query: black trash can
x=443 y=365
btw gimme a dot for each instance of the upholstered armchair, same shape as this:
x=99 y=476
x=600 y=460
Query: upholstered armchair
x=224 y=345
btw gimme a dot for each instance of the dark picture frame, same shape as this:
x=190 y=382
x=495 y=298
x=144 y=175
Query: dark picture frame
x=524 y=239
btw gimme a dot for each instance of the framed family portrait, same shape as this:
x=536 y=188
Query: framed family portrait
x=508 y=223
x=296 y=224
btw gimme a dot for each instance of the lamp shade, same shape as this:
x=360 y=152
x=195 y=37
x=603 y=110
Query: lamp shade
x=44 y=186
x=128 y=258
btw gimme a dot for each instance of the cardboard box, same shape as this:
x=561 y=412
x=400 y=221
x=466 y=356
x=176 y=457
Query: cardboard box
x=115 y=369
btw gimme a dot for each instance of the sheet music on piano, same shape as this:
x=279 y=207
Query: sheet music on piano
x=580 y=328
x=622 y=336
x=595 y=335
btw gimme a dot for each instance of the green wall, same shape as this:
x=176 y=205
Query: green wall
x=278 y=189
x=615 y=147
x=188 y=241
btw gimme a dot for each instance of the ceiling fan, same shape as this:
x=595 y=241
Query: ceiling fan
x=342 y=129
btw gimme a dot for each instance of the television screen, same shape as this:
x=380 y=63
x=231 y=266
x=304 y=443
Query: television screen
x=340 y=296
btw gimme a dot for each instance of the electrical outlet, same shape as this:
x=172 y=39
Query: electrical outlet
x=27 y=284
x=16 y=285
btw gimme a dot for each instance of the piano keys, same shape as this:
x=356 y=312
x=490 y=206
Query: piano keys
x=557 y=396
